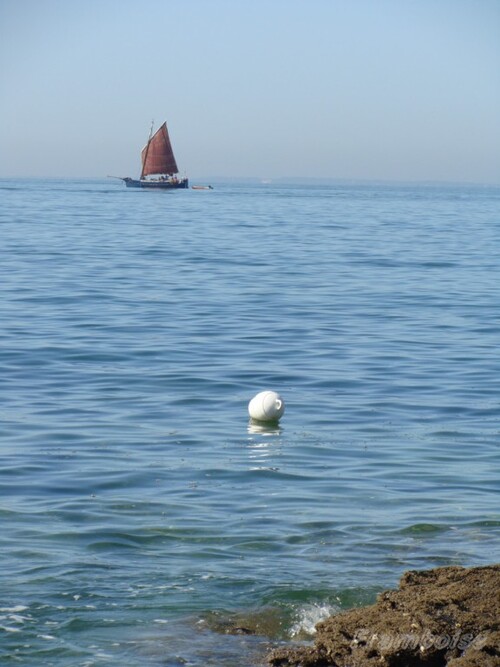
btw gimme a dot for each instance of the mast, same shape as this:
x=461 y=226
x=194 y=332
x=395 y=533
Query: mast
x=147 y=149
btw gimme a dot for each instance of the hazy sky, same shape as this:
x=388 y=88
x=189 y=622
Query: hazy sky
x=362 y=89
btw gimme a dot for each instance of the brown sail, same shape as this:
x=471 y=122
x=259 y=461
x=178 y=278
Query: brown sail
x=157 y=155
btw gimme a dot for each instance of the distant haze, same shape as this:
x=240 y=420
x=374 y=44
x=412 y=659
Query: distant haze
x=364 y=89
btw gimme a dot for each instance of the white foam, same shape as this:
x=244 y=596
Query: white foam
x=308 y=616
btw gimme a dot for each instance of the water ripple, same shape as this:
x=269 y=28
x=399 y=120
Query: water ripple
x=141 y=511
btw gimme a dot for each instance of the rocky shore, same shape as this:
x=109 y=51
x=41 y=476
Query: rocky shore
x=446 y=617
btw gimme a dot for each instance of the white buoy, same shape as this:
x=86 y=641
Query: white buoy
x=267 y=406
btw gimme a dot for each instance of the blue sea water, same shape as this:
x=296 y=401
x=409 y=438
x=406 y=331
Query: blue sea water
x=142 y=516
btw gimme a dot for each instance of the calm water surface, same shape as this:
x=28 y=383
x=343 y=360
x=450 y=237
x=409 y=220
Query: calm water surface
x=141 y=514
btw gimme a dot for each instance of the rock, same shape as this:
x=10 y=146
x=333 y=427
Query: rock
x=446 y=617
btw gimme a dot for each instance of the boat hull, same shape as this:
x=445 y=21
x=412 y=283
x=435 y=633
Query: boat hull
x=180 y=184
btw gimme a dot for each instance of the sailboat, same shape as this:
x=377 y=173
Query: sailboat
x=159 y=168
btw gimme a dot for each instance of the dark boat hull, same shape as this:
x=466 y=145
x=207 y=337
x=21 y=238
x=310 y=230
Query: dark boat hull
x=180 y=184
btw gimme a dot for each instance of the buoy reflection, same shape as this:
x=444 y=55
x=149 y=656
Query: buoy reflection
x=265 y=448
x=264 y=428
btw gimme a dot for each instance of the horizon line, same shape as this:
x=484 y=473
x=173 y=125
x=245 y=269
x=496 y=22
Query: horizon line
x=265 y=180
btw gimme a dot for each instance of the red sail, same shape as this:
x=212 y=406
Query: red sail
x=157 y=156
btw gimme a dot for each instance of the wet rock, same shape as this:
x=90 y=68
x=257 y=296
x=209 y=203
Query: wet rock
x=266 y=622
x=446 y=617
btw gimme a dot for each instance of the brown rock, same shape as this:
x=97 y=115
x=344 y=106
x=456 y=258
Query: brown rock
x=446 y=617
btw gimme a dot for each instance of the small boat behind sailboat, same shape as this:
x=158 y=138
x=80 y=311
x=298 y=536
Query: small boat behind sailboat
x=159 y=168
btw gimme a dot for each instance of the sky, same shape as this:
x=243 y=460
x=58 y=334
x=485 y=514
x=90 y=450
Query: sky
x=401 y=90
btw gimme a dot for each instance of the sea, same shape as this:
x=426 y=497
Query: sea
x=145 y=520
